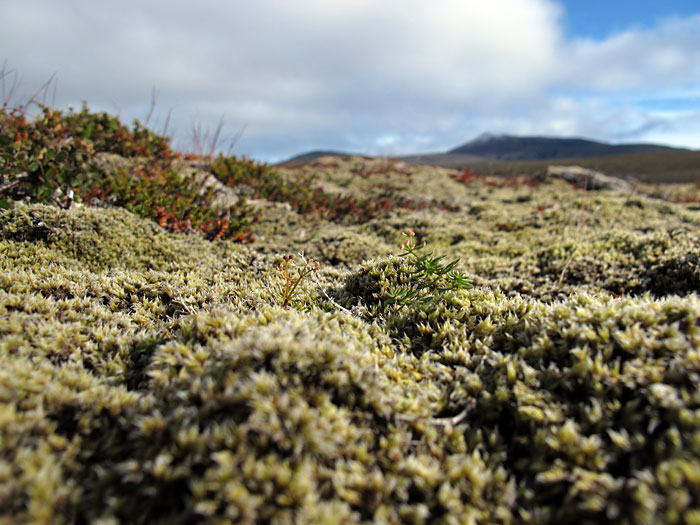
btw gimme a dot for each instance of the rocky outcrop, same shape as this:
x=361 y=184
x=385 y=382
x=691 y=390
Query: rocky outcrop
x=589 y=179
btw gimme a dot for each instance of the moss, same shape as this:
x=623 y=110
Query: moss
x=93 y=239
x=617 y=374
x=149 y=377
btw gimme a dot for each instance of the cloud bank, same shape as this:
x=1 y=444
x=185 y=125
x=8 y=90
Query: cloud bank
x=390 y=77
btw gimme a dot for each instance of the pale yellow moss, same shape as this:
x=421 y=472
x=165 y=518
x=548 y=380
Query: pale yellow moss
x=150 y=377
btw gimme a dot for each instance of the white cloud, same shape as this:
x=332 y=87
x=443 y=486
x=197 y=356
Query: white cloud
x=660 y=58
x=359 y=74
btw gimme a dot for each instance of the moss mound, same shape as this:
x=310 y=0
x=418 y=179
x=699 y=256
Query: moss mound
x=154 y=377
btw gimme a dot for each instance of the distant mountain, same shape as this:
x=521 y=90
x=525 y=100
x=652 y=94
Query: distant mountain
x=509 y=148
x=310 y=156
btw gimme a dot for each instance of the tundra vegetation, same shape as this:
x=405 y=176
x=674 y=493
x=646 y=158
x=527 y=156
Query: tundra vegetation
x=530 y=355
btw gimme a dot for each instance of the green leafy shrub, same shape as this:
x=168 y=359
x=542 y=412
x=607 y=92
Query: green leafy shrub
x=39 y=157
x=152 y=189
x=108 y=134
x=54 y=153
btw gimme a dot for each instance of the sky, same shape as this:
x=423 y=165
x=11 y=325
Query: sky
x=378 y=77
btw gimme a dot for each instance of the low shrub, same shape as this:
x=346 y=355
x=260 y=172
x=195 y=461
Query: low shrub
x=51 y=157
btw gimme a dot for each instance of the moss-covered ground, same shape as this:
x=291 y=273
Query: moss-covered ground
x=151 y=376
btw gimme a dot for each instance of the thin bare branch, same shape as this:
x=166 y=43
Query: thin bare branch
x=8 y=96
x=53 y=96
x=441 y=421
x=215 y=139
x=19 y=180
x=33 y=99
x=197 y=138
x=167 y=122
x=560 y=282
x=203 y=142
x=235 y=139
x=329 y=298
x=154 y=101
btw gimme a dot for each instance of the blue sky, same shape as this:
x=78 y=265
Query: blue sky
x=602 y=18
x=377 y=77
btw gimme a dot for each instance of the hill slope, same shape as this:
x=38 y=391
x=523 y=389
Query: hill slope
x=509 y=148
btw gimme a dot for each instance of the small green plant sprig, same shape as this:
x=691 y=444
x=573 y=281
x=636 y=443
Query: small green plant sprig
x=293 y=274
x=431 y=276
